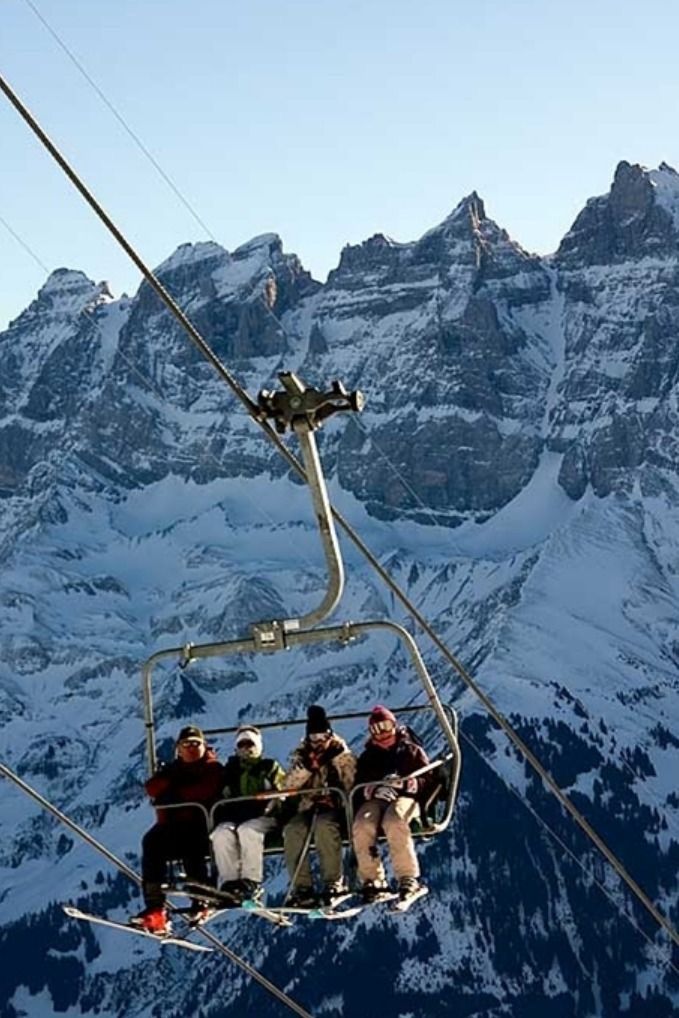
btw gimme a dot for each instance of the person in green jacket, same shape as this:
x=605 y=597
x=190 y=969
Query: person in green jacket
x=241 y=827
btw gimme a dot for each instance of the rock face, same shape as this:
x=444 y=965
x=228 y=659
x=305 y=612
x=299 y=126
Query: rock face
x=516 y=471
x=618 y=273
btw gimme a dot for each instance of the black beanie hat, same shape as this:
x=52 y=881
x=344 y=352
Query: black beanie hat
x=316 y=720
x=191 y=732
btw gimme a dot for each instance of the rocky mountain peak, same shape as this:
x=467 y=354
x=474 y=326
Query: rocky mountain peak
x=66 y=292
x=265 y=245
x=516 y=471
x=192 y=255
x=470 y=210
x=665 y=184
x=370 y=255
x=638 y=218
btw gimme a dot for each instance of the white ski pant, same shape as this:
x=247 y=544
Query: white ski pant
x=239 y=849
x=394 y=819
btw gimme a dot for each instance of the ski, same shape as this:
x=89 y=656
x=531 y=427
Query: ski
x=226 y=903
x=75 y=913
x=403 y=904
x=334 y=913
x=194 y=923
x=271 y=914
x=313 y=911
x=206 y=892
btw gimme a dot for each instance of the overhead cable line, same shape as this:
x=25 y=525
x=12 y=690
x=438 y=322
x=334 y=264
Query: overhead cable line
x=295 y=464
x=568 y=851
x=119 y=117
x=431 y=513
x=5 y=772
x=24 y=245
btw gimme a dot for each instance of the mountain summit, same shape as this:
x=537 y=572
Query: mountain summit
x=517 y=471
x=638 y=218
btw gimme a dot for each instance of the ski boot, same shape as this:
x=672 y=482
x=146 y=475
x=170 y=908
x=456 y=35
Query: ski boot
x=407 y=887
x=198 y=912
x=303 y=897
x=372 y=889
x=333 y=890
x=153 y=920
x=251 y=890
x=231 y=894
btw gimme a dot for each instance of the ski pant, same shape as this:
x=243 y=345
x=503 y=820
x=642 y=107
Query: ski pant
x=179 y=840
x=328 y=841
x=394 y=819
x=239 y=849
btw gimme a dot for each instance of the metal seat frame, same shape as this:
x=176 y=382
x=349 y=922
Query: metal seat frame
x=303 y=410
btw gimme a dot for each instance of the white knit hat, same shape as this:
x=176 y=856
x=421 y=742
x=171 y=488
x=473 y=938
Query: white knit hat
x=248 y=733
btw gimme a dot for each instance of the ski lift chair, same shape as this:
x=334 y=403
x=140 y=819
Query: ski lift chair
x=302 y=410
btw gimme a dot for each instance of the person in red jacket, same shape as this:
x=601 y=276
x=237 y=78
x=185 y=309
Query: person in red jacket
x=389 y=804
x=194 y=776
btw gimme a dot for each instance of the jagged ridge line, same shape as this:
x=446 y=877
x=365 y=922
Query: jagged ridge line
x=235 y=387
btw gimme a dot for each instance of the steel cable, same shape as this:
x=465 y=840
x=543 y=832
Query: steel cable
x=292 y=461
x=27 y=789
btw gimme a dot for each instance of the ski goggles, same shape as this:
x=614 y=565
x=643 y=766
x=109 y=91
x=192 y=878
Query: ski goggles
x=245 y=744
x=192 y=742
x=382 y=727
x=317 y=737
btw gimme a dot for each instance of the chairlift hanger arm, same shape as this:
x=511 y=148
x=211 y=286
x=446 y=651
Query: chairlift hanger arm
x=302 y=409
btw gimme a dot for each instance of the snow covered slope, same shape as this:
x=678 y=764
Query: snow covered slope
x=516 y=469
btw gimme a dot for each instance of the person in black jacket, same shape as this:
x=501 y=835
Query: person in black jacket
x=238 y=838
x=389 y=804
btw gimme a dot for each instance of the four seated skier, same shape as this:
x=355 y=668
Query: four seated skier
x=238 y=838
x=389 y=804
x=194 y=776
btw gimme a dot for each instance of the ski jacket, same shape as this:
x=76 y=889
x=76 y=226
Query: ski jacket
x=177 y=782
x=334 y=766
x=248 y=777
x=404 y=757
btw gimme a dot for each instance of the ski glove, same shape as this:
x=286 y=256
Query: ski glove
x=387 y=793
x=407 y=786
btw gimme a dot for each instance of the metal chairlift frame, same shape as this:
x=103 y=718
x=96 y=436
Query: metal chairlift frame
x=302 y=410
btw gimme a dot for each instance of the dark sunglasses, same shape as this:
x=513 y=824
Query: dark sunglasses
x=245 y=744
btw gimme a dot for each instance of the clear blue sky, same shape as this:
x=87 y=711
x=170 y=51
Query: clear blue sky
x=322 y=121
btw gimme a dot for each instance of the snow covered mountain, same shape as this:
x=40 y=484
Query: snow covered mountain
x=516 y=469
